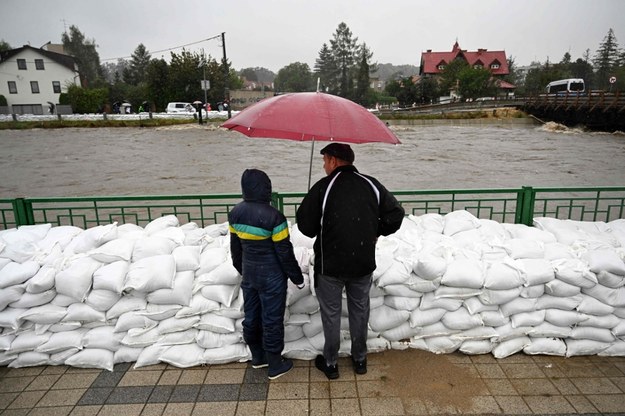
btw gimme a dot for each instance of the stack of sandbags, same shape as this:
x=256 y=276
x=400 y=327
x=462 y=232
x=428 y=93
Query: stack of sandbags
x=169 y=293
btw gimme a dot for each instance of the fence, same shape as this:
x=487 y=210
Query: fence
x=516 y=205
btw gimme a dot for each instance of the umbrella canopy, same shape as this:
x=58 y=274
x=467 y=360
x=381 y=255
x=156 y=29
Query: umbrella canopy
x=311 y=116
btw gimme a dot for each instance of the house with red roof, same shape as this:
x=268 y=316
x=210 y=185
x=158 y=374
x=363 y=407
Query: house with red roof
x=433 y=63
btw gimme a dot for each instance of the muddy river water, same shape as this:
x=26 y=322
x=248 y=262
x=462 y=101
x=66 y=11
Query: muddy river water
x=193 y=159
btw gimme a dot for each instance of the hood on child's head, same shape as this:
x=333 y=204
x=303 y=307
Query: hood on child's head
x=256 y=185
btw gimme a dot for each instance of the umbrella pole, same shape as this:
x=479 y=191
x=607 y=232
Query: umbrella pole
x=312 y=150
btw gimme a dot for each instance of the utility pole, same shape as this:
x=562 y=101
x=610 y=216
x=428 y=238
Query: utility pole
x=226 y=74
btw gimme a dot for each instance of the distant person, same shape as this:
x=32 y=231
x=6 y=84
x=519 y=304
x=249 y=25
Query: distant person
x=263 y=254
x=346 y=211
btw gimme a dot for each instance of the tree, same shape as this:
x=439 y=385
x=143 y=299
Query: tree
x=344 y=48
x=139 y=62
x=156 y=79
x=361 y=94
x=606 y=59
x=449 y=75
x=475 y=82
x=326 y=70
x=4 y=46
x=87 y=58
x=295 y=77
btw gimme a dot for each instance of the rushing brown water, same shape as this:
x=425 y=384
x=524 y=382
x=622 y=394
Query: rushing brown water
x=194 y=159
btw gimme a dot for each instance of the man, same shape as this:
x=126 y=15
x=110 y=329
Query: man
x=263 y=254
x=346 y=211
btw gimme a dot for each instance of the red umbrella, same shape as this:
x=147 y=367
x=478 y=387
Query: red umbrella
x=311 y=116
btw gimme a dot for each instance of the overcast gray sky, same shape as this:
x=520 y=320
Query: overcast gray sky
x=275 y=33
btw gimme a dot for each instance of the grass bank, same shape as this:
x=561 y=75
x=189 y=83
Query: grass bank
x=56 y=124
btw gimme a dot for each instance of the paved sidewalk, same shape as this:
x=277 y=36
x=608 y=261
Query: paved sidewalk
x=519 y=384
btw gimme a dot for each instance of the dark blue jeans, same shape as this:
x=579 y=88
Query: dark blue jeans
x=264 y=303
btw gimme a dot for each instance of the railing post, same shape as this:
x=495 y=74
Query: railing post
x=21 y=212
x=525 y=206
x=276 y=201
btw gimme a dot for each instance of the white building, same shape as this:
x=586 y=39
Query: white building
x=32 y=78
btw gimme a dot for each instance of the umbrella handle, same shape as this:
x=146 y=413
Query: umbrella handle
x=312 y=150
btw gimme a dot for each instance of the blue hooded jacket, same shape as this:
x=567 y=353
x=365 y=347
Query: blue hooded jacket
x=259 y=233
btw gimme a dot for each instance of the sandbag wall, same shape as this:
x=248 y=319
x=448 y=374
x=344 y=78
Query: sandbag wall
x=168 y=292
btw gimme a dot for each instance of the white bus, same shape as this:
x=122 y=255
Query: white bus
x=563 y=86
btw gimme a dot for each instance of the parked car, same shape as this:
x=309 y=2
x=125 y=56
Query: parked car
x=179 y=107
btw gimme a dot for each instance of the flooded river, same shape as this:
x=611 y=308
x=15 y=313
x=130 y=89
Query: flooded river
x=194 y=159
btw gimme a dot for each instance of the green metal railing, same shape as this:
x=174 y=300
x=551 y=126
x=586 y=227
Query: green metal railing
x=514 y=205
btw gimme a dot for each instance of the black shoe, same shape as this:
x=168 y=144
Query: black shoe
x=331 y=371
x=360 y=367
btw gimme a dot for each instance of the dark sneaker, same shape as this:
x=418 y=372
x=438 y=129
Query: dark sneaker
x=360 y=367
x=279 y=369
x=331 y=371
x=260 y=364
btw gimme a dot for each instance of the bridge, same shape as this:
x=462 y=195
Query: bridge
x=595 y=110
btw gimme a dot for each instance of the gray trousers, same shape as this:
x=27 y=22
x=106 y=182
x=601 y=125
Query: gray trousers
x=329 y=293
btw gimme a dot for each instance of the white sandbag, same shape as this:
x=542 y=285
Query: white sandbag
x=575 y=347
x=457 y=221
x=476 y=347
x=92 y=358
x=429 y=301
x=132 y=319
x=152 y=246
x=507 y=332
x=187 y=258
x=80 y=312
x=19 y=252
x=180 y=293
x=437 y=329
x=187 y=336
x=592 y=333
x=384 y=318
x=302 y=349
x=102 y=300
x=502 y=275
x=604 y=321
x=464 y=273
x=126 y=304
x=111 y=276
x=151 y=273
x=293 y=293
x=536 y=271
x=31 y=233
x=616 y=349
x=546 y=346
x=91 y=238
x=534 y=291
x=383 y=259
x=42 y=281
x=150 y=355
x=606 y=279
x=511 y=346
x=401 y=332
x=127 y=354
x=76 y=280
x=557 y=250
x=293 y=332
x=521 y=248
x=159 y=312
x=498 y=297
x=195 y=236
x=161 y=223
x=461 y=319
x=476 y=333
x=456 y=292
x=210 y=339
x=297 y=319
x=308 y=304
x=10 y=318
x=62 y=341
x=174 y=324
x=112 y=251
x=17 y=273
x=609 y=296
x=28 y=341
x=224 y=294
x=215 y=323
x=592 y=306
x=518 y=305
x=226 y=354
x=102 y=337
x=562 y=289
x=139 y=337
x=224 y=274
x=401 y=303
x=618 y=330
x=314 y=326
x=442 y=345
x=604 y=260
x=10 y=294
x=564 y=318
x=29 y=359
x=44 y=314
x=522 y=231
x=527 y=318
x=430 y=267
x=299 y=239
x=549 y=330
x=6 y=358
x=197 y=306
x=131 y=231
x=558 y=302
x=474 y=305
x=210 y=258
x=5 y=340
x=398 y=273
x=574 y=272
x=416 y=284
x=175 y=234
x=61 y=235
x=30 y=300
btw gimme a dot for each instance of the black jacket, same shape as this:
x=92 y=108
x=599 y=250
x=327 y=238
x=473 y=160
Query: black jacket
x=259 y=233
x=356 y=211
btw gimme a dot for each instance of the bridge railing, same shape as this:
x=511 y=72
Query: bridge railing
x=512 y=205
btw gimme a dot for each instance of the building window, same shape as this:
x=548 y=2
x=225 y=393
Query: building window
x=441 y=67
x=12 y=87
x=21 y=64
x=39 y=64
x=478 y=66
x=34 y=87
x=56 y=86
x=494 y=66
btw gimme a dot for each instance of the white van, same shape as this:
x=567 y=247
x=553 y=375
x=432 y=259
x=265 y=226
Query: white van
x=180 y=108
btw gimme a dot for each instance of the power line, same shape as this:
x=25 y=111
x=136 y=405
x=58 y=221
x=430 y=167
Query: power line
x=165 y=50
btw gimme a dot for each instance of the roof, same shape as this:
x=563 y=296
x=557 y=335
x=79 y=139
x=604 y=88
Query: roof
x=65 y=60
x=431 y=60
